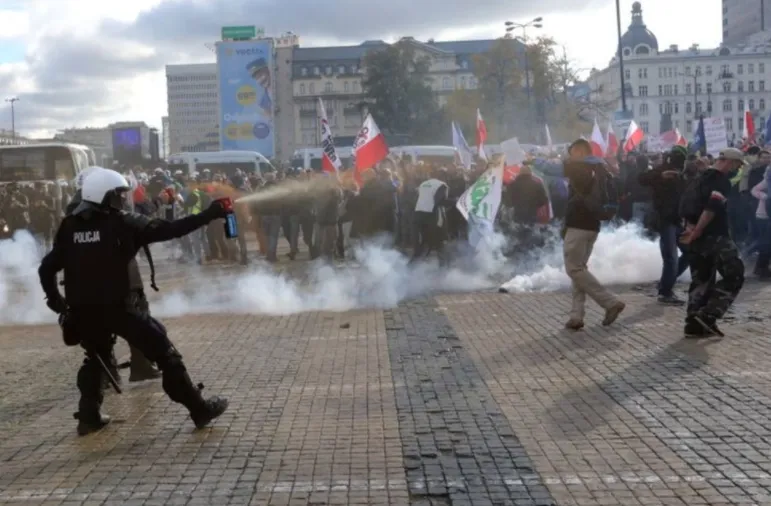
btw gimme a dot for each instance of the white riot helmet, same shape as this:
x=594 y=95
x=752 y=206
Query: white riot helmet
x=105 y=188
x=83 y=174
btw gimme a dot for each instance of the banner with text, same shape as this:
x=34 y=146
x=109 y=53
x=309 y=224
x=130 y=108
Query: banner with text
x=246 y=103
x=714 y=133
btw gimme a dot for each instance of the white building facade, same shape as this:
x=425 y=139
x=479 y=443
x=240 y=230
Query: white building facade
x=193 y=107
x=742 y=18
x=671 y=88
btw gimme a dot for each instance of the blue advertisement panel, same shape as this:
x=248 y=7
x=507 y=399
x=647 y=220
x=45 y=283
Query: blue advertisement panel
x=245 y=72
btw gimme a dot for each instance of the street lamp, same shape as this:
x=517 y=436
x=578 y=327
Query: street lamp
x=510 y=27
x=12 y=101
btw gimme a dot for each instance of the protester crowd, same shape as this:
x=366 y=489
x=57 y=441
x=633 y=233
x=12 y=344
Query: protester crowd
x=415 y=205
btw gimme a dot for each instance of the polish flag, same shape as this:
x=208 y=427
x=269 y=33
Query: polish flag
x=369 y=148
x=749 y=124
x=681 y=140
x=330 y=162
x=597 y=141
x=634 y=136
x=481 y=136
x=612 y=141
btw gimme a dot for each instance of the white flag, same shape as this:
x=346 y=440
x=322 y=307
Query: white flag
x=330 y=162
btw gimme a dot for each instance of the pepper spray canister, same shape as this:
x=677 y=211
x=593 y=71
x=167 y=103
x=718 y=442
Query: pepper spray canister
x=231 y=225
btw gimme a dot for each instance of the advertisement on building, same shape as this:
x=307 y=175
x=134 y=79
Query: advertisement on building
x=245 y=74
x=127 y=145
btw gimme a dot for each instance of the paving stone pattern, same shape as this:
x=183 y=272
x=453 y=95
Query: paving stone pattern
x=468 y=399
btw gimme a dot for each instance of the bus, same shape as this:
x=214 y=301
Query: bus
x=191 y=164
x=310 y=158
x=53 y=164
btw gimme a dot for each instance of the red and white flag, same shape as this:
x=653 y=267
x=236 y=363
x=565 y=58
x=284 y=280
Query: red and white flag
x=597 y=141
x=681 y=140
x=369 y=148
x=749 y=125
x=634 y=136
x=330 y=162
x=611 y=144
x=481 y=136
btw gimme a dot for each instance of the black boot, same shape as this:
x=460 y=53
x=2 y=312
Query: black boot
x=89 y=416
x=212 y=408
x=89 y=423
x=180 y=388
x=141 y=368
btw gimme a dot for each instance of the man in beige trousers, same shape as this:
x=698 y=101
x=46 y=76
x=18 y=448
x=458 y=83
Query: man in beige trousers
x=582 y=227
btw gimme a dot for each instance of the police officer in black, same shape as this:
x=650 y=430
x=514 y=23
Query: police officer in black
x=711 y=250
x=93 y=247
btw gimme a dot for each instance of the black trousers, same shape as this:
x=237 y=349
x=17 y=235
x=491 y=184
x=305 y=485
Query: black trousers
x=97 y=325
x=708 y=256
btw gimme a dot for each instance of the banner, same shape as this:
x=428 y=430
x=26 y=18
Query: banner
x=244 y=71
x=714 y=134
x=482 y=199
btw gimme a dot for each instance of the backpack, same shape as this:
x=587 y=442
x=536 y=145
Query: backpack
x=605 y=193
x=691 y=204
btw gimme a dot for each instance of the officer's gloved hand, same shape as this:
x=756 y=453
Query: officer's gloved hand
x=56 y=304
x=217 y=209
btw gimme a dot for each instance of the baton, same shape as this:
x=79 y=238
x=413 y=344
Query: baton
x=108 y=373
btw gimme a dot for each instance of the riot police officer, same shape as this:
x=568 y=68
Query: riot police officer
x=93 y=246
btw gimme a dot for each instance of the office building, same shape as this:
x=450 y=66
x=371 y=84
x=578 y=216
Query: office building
x=192 y=107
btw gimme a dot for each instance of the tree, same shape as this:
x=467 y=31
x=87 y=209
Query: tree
x=397 y=86
x=499 y=74
x=462 y=108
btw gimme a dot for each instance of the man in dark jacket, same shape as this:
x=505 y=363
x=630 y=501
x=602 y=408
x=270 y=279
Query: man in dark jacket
x=525 y=195
x=582 y=227
x=668 y=182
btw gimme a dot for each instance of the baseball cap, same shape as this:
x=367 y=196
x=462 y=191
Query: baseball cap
x=731 y=154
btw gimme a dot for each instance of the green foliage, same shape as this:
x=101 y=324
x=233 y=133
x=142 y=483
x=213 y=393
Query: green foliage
x=398 y=90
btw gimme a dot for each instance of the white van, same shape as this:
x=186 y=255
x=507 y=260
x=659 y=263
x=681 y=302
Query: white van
x=443 y=155
x=250 y=162
x=310 y=158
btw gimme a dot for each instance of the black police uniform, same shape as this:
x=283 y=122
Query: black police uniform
x=141 y=368
x=93 y=247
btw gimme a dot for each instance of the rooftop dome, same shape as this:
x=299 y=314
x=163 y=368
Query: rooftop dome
x=638 y=40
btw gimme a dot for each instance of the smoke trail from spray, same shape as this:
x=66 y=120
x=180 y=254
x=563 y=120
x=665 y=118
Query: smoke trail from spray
x=380 y=277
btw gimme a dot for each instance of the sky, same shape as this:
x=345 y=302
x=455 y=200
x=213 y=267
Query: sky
x=77 y=63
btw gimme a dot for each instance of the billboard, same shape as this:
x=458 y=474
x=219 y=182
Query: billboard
x=127 y=145
x=245 y=74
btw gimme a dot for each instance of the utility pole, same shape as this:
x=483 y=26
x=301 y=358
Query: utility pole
x=12 y=101
x=621 y=57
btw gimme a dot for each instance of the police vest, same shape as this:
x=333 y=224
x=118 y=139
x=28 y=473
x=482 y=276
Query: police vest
x=427 y=195
x=198 y=207
x=96 y=259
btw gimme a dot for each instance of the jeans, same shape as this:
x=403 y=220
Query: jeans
x=271 y=225
x=292 y=223
x=673 y=264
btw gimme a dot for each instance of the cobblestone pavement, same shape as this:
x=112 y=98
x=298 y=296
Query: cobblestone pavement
x=472 y=399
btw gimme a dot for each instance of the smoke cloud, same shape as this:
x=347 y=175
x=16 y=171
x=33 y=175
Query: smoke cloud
x=380 y=277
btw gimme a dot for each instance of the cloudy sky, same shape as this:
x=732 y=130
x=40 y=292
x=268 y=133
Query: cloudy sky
x=92 y=62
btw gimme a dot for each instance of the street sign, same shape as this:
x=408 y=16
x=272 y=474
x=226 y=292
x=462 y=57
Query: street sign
x=239 y=32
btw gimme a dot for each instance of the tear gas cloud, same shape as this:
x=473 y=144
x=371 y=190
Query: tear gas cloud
x=380 y=277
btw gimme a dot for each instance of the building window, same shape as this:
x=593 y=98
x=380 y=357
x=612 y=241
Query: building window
x=302 y=89
x=688 y=71
x=688 y=108
x=328 y=87
x=709 y=70
x=643 y=109
x=729 y=124
x=761 y=86
x=688 y=89
x=644 y=126
x=750 y=68
x=627 y=74
x=740 y=105
x=740 y=86
x=677 y=108
x=645 y=73
x=446 y=83
x=676 y=92
x=727 y=86
x=345 y=86
x=740 y=70
x=640 y=73
x=688 y=125
x=751 y=86
x=727 y=105
x=762 y=104
x=709 y=87
x=761 y=68
x=661 y=90
x=304 y=71
x=740 y=124
x=698 y=88
x=642 y=91
x=328 y=70
x=698 y=107
x=752 y=104
x=341 y=69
